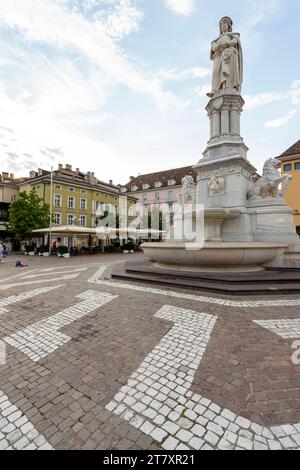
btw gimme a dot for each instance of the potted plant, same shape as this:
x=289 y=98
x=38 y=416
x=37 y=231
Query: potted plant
x=29 y=250
x=44 y=250
x=63 y=251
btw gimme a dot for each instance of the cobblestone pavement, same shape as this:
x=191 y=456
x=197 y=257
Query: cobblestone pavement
x=93 y=363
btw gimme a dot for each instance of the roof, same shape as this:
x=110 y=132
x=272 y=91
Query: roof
x=71 y=177
x=163 y=177
x=292 y=151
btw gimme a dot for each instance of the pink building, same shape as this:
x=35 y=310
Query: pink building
x=160 y=189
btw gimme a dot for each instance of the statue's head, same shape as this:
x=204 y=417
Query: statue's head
x=226 y=25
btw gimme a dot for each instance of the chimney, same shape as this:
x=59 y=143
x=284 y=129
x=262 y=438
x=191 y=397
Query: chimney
x=12 y=176
x=77 y=171
x=60 y=167
x=32 y=174
x=68 y=167
x=4 y=174
x=40 y=172
x=111 y=182
x=131 y=178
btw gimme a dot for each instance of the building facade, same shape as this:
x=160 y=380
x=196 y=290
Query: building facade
x=78 y=199
x=160 y=189
x=290 y=163
x=9 y=191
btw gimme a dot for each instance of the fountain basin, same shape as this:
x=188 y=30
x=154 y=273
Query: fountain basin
x=213 y=257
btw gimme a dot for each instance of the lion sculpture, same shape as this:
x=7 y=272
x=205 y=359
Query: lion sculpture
x=268 y=185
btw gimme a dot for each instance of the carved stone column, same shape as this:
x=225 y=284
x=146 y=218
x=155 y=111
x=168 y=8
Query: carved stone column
x=224 y=112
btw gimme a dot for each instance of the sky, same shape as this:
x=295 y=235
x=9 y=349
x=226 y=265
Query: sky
x=119 y=87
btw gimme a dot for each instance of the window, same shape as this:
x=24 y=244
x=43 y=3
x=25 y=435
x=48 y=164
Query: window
x=71 y=219
x=170 y=196
x=134 y=188
x=146 y=186
x=145 y=197
x=71 y=202
x=57 y=219
x=287 y=167
x=156 y=197
x=170 y=207
x=57 y=186
x=83 y=191
x=71 y=190
x=83 y=204
x=83 y=220
x=13 y=198
x=297 y=166
x=157 y=185
x=171 y=182
x=57 y=200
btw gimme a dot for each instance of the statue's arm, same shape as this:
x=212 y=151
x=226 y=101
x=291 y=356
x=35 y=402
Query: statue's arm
x=214 y=49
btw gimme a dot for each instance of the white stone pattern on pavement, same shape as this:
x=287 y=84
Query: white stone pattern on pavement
x=32 y=276
x=199 y=298
x=13 y=299
x=284 y=328
x=43 y=337
x=98 y=274
x=16 y=431
x=157 y=399
x=39 y=281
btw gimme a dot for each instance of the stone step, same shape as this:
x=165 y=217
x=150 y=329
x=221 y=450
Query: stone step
x=261 y=283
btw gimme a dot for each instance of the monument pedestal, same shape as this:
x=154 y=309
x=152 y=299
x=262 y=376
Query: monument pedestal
x=224 y=112
x=273 y=221
x=224 y=183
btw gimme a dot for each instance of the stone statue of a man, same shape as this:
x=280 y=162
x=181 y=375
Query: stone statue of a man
x=227 y=56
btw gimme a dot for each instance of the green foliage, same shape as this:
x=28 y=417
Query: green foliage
x=43 y=249
x=28 y=248
x=63 y=250
x=27 y=213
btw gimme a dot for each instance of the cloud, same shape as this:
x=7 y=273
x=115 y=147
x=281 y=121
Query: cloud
x=203 y=90
x=256 y=13
x=262 y=99
x=55 y=24
x=65 y=63
x=282 y=120
x=181 y=7
x=123 y=19
x=191 y=73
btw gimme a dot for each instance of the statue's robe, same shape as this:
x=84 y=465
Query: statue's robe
x=228 y=64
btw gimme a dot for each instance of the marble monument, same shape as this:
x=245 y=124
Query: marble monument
x=247 y=222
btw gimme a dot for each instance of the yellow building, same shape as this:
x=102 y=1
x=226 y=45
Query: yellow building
x=290 y=163
x=78 y=198
x=9 y=191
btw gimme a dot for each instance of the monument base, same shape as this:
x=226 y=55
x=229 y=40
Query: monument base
x=262 y=283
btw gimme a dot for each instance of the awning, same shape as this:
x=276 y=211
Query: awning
x=98 y=231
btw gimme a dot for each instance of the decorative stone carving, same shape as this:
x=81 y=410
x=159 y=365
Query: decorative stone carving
x=227 y=56
x=268 y=185
x=188 y=191
x=224 y=168
x=216 y=186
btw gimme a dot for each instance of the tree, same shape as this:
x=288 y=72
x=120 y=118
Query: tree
x=27 y=213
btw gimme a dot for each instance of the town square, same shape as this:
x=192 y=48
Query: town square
x=157 y=312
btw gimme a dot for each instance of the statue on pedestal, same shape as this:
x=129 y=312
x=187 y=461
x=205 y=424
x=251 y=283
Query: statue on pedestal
x=227 y=56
